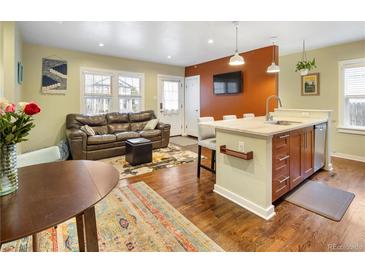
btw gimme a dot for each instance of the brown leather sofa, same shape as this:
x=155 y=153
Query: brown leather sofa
x=112 y=130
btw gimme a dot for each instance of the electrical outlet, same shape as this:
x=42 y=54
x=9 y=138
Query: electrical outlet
x=241 y=146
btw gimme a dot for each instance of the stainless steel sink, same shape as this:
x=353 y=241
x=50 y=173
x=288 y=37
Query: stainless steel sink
x=282 y=122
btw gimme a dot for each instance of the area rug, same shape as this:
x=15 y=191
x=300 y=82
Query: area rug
x=170 y=156
x=322 y=199
x=130 y=218
x=184 y=140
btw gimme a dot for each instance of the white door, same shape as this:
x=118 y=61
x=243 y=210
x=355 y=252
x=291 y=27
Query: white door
x=171 y=102
x=192 y=105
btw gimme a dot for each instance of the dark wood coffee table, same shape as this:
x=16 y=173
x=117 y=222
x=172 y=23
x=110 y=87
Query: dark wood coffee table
x=50 y=194
x=138 y=151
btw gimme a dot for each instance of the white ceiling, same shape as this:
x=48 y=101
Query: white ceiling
x=186 y=42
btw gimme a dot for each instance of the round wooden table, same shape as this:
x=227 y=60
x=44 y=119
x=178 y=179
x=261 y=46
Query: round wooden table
x=50 y=194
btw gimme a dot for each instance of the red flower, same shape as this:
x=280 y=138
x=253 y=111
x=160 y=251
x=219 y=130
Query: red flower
x=10 y=108
x=31 y=108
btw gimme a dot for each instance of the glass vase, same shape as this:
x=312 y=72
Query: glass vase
x=8 y=169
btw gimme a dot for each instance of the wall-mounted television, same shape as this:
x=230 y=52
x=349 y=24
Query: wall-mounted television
x=227 y=83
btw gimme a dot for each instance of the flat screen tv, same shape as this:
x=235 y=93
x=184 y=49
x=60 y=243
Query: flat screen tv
x=227 y=83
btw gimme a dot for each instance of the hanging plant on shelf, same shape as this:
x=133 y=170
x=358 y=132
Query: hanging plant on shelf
x=304 y=66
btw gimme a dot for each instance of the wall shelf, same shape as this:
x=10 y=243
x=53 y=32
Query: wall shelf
x=237 y=154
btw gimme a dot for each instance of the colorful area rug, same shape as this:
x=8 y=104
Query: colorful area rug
x=170 y=156
x=130 y=218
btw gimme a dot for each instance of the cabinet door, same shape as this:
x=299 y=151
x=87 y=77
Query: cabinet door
x=308 y=152
x=296 y=159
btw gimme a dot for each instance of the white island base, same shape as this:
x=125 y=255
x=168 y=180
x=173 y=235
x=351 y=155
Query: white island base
x=248 y=183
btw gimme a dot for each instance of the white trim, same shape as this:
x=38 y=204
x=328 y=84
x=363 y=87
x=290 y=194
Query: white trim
x=185 y=121
x=341 y=96
x=351 y=130
x=265 y=213
x=349 y=157
x=114 y=84
x=181 y=79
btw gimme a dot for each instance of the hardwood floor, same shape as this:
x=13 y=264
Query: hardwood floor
x=292 y=229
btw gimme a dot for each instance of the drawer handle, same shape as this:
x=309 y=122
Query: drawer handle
x=284 y=158
x=284 y=136
x=283 y=180
x=280 y=189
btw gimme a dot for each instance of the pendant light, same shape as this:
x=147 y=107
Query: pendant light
x=236 y=59
x=273 y=68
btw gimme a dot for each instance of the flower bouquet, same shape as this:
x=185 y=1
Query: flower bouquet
x=15 y=123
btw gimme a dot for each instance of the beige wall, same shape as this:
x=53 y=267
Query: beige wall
x=327 y=61
x=1 y=62
x=50 y=122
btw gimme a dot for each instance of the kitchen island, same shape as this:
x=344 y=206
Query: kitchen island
x=258 y=162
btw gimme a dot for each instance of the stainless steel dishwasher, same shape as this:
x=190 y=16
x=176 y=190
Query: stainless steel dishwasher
x=320 y=132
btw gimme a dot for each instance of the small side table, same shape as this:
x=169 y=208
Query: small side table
x=138 y=151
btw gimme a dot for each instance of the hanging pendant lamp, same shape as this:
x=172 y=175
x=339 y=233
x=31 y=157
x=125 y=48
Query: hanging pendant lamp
x=236 y=59
x=273 y=68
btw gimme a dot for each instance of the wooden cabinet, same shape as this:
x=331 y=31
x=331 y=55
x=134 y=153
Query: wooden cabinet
x=292 y=160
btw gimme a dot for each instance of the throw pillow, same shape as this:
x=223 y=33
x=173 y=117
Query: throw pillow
x=151 y=124
x=88 y=130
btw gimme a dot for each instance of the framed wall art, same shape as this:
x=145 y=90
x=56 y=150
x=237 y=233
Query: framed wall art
x=310 y=84
x=54 y=76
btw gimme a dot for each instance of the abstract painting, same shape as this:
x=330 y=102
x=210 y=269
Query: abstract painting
x=54 y=76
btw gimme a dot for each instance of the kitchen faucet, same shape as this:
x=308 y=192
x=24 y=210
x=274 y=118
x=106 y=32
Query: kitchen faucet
x=268 y=116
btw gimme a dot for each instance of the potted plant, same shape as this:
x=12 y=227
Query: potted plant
x=305 y=66
x=15 y=124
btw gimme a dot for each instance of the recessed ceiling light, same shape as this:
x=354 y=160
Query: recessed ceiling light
x=101 y=45
x=168 y=56
x=210 y=41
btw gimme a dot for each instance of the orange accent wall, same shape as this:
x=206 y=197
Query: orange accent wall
x=257 y=84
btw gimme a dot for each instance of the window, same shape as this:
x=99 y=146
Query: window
x=108 y=91
x=130 y=98
x=352 y=94
x=170 y=95
x=97 y=93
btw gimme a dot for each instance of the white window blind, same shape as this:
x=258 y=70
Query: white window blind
x=354 y=95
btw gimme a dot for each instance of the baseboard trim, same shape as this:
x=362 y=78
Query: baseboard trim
x=265 y=213
x=349 y=157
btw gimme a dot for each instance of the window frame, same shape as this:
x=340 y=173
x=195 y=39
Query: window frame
x=114 y=86
x=342 y=127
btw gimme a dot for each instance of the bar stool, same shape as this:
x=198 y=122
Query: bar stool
x=248 y=116
x=229 y=117
x=206 y=138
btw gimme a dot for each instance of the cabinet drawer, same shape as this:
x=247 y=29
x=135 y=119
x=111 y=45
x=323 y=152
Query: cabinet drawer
x=280 y=160
x=281 y=171
x=280 y=186
x=281 y=141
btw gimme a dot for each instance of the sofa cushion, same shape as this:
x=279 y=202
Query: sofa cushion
x=104 y=146
x=123 y=136
x=101 y=139
x=92 y=120
x=102 y=130
x=139 y=126
x=116 y=117
x=150 y=133
x=114 y=128
x=141 y=116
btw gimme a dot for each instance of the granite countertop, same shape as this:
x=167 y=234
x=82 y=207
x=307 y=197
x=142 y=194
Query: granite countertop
x=257 y=125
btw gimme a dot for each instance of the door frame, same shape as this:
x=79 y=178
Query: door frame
x=185 y=87
x=182 y=95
